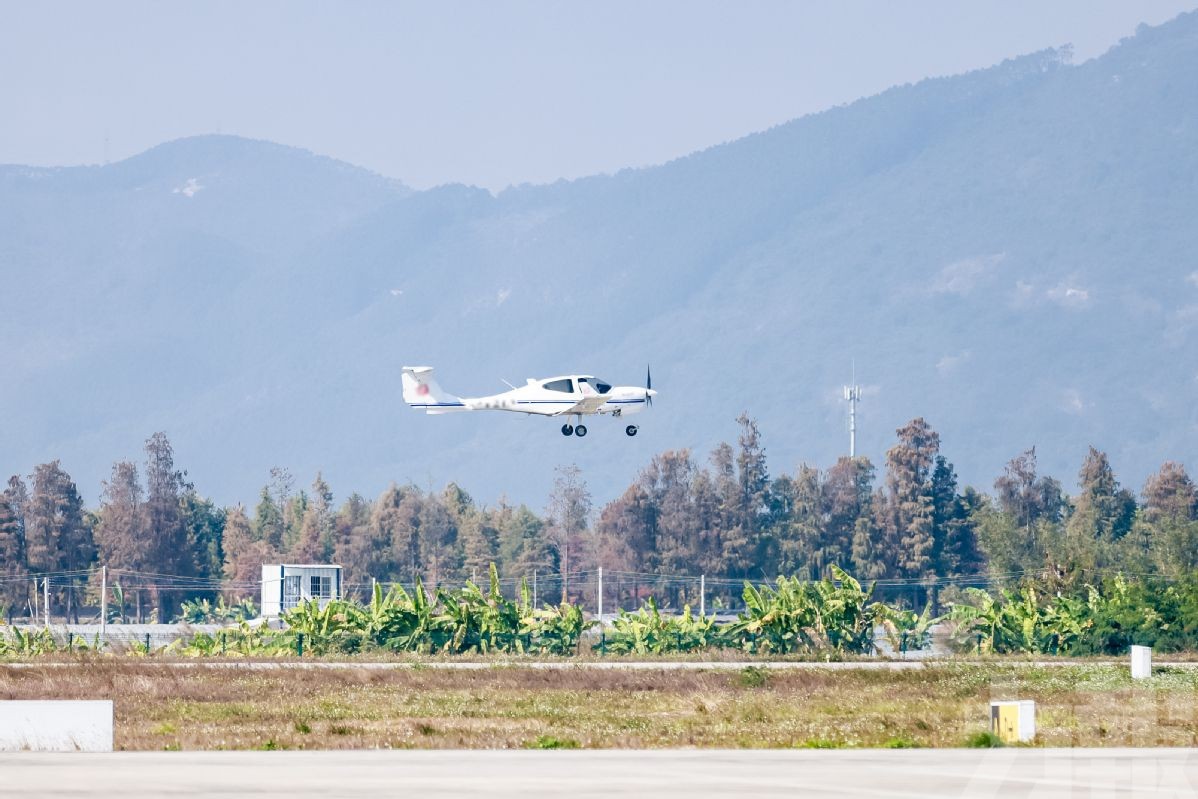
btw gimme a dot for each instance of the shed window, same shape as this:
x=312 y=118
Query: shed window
x=322 y=587
x=291 y=591
x=565 y=386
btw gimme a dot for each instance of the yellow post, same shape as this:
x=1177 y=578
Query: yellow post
x=1013 y=721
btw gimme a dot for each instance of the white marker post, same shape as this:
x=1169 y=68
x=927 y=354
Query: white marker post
x=1141 y=662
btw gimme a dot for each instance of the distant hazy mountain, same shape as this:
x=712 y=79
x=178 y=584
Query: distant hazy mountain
x=1010 y=253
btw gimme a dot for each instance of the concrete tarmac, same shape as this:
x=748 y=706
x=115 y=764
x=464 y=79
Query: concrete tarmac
x=607 y=774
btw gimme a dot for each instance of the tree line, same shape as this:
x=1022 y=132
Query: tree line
x=725 y=517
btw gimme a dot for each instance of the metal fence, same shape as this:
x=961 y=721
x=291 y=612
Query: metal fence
x=597 y=590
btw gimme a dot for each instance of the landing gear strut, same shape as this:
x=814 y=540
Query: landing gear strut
x=567 y=429
x=631 y=430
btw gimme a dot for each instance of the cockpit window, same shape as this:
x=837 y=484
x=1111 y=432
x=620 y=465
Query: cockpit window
x=601 y=386
x=562 y=385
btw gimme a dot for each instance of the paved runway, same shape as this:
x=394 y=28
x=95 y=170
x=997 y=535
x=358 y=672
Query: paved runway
x=611 y=773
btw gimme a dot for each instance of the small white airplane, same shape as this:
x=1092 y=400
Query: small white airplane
x=567 y=395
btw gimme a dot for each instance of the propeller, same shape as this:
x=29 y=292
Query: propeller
x=648 y=387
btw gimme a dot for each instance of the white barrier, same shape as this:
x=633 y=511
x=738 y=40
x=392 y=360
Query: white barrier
x=56 y=726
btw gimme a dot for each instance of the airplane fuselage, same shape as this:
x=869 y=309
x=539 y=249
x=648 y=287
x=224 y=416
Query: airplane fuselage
x=536 y=398
x=567 y=395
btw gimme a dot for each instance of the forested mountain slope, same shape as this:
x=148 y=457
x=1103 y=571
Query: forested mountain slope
x=1009 y=253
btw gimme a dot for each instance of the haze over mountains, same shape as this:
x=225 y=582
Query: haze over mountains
x=1010 y=253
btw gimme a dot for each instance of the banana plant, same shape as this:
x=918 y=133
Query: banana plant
x=646 y=631
x=116 y=608
x=799 y=616
x=31 y=643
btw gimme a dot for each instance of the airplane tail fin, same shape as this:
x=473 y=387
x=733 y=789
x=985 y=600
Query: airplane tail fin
x=421 y=391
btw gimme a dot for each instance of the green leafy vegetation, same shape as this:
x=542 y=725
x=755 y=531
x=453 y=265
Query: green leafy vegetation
x=984 y=739
x=1105 y=619
x=551 y=742
x=920 y=542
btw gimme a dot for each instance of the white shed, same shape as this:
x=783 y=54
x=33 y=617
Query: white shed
x=285 y=585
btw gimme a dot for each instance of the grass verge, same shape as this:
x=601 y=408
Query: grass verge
x=200 y=707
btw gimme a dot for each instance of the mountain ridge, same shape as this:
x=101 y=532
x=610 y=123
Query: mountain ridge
x=980 y=244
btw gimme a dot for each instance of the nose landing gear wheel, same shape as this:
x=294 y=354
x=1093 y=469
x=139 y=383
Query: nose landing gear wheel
x=631 y=430
x=580 y=431
x=567 y=430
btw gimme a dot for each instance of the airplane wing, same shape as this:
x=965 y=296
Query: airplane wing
x=585 y=405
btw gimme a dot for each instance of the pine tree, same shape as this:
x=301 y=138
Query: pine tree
x=479 y=539
x=245 y=552
x=14 y=590
x=665 y=542
x=568 y=512
x=397 y=515
x=733 y=540
x=362 y=553
x=1170 y=495
x=753 y=500
x=121 y=528
x=708 y=525
x=167 y=552
x=439 y=555
x=1102 y=510
x=848 y=497
x=802 y=546
x=294 y=511
x=869 y=562
x=315 y=543
x=908 y=516
x=1103 y=513
x=524 y=548
x=626 y=531
x=58 y=536
x=204 y=522
x=1026 y=497
x=268 y=523
x=1169 y=520
x=956 y=547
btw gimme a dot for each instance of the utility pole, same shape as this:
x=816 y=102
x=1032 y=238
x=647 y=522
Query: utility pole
x=103 y=605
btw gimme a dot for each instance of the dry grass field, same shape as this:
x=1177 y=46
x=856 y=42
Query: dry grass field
x=194 y=706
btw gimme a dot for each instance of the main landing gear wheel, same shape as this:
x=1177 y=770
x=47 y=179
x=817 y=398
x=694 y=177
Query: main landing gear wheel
x=580 y=431
x=567 y=430
x=631 y=430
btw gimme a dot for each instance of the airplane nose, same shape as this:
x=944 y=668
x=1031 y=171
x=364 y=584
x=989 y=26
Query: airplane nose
x=652 y=392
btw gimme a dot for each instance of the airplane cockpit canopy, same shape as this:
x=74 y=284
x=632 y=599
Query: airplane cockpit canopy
x=602 y=386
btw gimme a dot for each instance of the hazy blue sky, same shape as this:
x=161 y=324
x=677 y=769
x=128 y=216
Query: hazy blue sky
x=490 y=93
